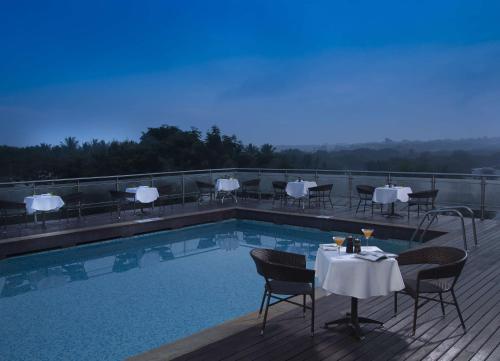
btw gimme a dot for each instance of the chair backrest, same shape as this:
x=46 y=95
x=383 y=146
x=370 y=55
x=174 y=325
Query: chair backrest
x=322 y=188
x=251 y=183
x=203 y=186
x=270 y=262
x=5 y=205
x=365 y=189
x=165 y=190
x=279 y=186
x=449 y=260
x=431 y=194
x=73 y=198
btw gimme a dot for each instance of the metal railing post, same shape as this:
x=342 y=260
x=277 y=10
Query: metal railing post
x=433 y=182
x=78 y=185
x=286 y=175
x=151 y=181
x=34 y=188
x=260 y=187
x=316 y=176
x=388 y=178
x=483 y=197
x=349 y=187
x=117 y=184
x=183 y=189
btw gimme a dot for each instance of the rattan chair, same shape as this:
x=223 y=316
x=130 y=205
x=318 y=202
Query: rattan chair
x=119 y=199
x=447 y=264
x=285 y=276
x=205 y=189
x=321 y=195
x=250 y=188
x=73 y=202
x=424 y=199
x=12 y=209
x=279 y=192
x=365 y=193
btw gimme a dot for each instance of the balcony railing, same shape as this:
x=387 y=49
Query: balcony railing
x=482 y=193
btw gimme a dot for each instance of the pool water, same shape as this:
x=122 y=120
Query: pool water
x=114 y=299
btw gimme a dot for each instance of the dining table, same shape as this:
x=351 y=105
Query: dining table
x=226 y=187
x=42 y=203
x=345 y=274
x=390 y=195
x=299 y=190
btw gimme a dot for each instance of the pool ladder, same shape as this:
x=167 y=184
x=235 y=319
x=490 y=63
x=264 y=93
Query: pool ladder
x=457 y=211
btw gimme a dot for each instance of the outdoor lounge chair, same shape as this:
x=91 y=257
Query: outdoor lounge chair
x=72 y=202
x=12 y=209
x=447 y=264
x=250 y=188
x=205 y=190
x=119 y=199
x=286 y=276
x=365 y=193
x=279 y=192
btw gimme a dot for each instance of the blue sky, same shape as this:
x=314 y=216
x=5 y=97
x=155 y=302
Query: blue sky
x=284 y=72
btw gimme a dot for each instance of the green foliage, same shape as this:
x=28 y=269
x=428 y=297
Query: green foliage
x=168 y=148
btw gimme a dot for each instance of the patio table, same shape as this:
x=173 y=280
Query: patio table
x=391 y=195
x=347 y=275
x=226 y=187
x=42 y=203
x=143 y=194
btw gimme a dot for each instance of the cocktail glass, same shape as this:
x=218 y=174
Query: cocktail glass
x=368 y=232
x=339 y=241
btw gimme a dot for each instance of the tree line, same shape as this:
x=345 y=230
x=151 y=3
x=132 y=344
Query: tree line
x=168 y=148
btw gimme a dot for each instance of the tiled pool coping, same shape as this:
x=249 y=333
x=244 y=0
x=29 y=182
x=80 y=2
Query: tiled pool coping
x=69 y=238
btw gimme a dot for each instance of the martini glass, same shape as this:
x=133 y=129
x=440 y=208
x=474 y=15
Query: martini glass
x=339 y=241
x=368 y=232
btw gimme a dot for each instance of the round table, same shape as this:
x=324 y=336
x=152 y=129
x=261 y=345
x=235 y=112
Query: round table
x=347 y=275
x=42 y=203
x=143 y=194
x=391 y=195
x=226 y=187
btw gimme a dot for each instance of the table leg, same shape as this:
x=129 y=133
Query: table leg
x=353 y=320
x=393 y=213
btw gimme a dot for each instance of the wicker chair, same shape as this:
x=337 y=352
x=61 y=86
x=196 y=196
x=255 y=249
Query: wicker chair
x=279 y=192
x=250 y=188
x=205 y=189
x=285 y=274
x=12 y=209
x=119 y=199
x=72 y=202
x=447 y=262
x=424 y=199
x=321 y=195
x=365 y=193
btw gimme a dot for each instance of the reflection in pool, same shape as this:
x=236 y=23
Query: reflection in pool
x=114 y=299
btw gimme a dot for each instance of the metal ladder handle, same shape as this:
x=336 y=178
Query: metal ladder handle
x=473 y=220
x=435 y=212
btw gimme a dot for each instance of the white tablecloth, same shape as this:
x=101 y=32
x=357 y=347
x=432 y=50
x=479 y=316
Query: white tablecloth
x=226 y=185
x=43 y=202
x=347 y=275
x=387 y=195
x=144 y=194
x=299 y=189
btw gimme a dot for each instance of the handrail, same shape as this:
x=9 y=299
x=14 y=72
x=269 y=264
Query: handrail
x=446 y=210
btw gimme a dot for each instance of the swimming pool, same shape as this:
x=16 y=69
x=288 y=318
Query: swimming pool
x=113 y=299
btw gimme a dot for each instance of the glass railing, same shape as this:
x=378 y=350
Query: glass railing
x=482 y=193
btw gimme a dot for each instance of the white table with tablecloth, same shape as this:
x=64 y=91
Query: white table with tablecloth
x=226 y=187
x=299 y=189
x=391 y=195
x=143 y=194
x=347 y=275
x=42 y=203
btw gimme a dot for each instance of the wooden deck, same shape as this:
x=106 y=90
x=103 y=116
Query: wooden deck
x=437 y=338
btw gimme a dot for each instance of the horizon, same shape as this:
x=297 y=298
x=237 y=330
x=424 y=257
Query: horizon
x=280 y=73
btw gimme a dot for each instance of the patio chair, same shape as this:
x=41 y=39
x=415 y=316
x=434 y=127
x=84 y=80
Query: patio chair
x=12 y=209
x=166 y=193
x=447 y=264
x=321 y=195
x=119 y=199
x=424 y=199
x=72 y=202
x=250 y=188
x=205 y=189
x=365 y=193
x=285 y=276
x=279 y=192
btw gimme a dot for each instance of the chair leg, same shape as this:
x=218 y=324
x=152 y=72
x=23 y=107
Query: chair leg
x=458 y=310
x=312 y=312
x=265 y=313
x=262 y=303
x=395 y=303
x=357 y=208
x=415 y=315
x=442 y=304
